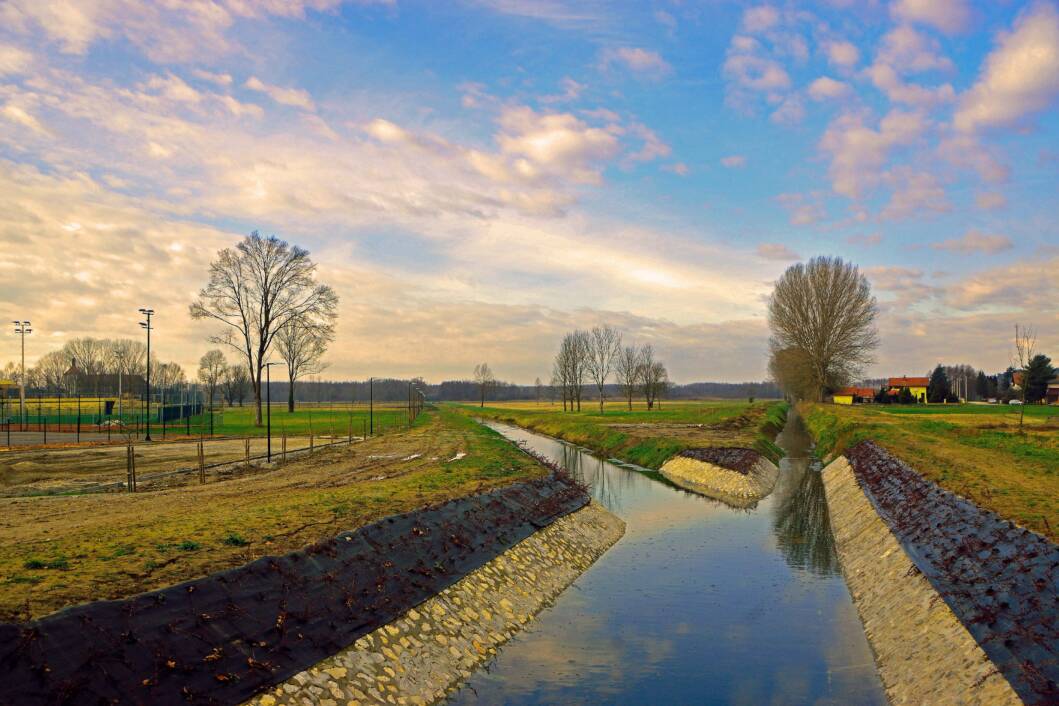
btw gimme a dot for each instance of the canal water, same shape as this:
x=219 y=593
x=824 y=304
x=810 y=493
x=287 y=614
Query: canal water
x=699 y=603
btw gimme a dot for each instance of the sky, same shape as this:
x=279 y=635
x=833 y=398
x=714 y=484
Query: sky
x=476 y=177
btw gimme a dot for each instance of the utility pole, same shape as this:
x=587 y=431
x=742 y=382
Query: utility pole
x=146 y=325
x=22 y=328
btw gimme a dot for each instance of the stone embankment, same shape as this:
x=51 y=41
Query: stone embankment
x=738 y=477
x=433 y=648
x=958 y=604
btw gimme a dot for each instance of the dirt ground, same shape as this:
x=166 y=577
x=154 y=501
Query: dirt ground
x=61 y=550
x=85 y=468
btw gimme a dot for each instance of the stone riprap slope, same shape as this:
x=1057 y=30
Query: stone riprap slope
x=736 y=476
x=432 y=649
x=221 y=639
x=923 y=652
x=1000 y=580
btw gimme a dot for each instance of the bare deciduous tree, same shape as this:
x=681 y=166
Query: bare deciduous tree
x=235 y=384
x=483 y=377
x=1025 y=349
x=604 y=344
x=255 y=290
x=627 y=368
x=654 y=378
x=212 y=367
x=539 y=389
x=302 y=344
x=825 y=309
x=570 y=368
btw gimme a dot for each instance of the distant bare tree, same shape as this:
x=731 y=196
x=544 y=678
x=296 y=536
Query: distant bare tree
x=539 y=389
x=627 y=368
x=483 y=377
x=1025 y=350
x=654 y=379
x=302 y=344
x=604 y=344
x=255 y=290
x=825 y=309
x=235 y=384
x=212 y=367
x=571 y=367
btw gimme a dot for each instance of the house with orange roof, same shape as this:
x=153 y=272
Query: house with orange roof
x=917 y=386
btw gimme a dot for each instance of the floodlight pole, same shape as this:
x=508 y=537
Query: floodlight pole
x=22 y=328
x=268 y=408
x=147 y=326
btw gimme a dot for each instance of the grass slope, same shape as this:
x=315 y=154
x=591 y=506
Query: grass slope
x=973 y=450
x=58 y=551
x=648 y=438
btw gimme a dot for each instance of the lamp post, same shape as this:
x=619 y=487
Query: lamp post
x=146 y=325
x=22 y=328
x=120 y=355
x=268 y=408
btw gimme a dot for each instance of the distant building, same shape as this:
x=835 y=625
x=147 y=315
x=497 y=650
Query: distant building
x=917 y=386
x=1051 y=396
x=853 y=395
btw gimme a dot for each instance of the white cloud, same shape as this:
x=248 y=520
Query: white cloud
x=859 y=152
x=915 y=193
x=556 y=143
x=989 y=200
x=220 y=79
x=887 y=80
x=975 y=242
x=1020 y=76
x=827 y=88
x=294 y=97
x=777 y=251
x=790 y=111
x=949 y=16
x=966 y=150
x=733 y=161
x=803 y=210
x=750 y=70
x=760 y=18
x=641 y=61
x=907 y=50
x=841 y=53
x=13 y=60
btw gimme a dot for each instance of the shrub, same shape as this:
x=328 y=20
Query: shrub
x=235 y=540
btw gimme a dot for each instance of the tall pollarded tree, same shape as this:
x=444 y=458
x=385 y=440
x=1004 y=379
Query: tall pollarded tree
x=302 y=344
x=256 y=289
x=825 y=309
x=604 y=344
x=627 y=368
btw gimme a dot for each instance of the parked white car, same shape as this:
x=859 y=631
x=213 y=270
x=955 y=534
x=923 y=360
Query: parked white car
x=1015 y=402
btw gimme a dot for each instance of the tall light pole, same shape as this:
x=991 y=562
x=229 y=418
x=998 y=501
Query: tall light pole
x=22 y=328
x=120 y=355
x=268 y=408
x=146 y=325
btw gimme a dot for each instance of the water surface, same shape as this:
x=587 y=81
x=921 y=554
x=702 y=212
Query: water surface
x=699 y=603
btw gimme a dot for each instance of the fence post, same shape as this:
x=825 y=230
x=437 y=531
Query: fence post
x=247 y=443
x=130 y=464
x=349 y=438
x=310 y=444
x=202 y=464
x=284 y=446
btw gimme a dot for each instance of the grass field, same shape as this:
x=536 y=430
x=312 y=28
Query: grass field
x=648 y=438
x=57 y=551
x=338 y=419
x=974 y=450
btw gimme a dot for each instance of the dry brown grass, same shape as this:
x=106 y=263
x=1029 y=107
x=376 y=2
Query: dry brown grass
x=58 y=551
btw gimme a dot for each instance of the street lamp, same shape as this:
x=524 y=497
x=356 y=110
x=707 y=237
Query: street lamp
x=146 y=325
x=22 y=328
x=268 y=407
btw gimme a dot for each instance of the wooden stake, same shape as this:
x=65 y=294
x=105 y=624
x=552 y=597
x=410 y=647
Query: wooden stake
x=284 y=446
x=246 y=442
x=202 y=464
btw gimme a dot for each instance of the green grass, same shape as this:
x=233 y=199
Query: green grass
x=338 y=420
x=649 y=438
x=974 y=450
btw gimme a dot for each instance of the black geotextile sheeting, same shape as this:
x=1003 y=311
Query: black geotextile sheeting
x=223 y=638
x=728 y=457
x=1001 y=581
